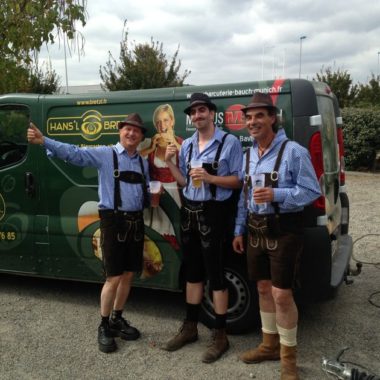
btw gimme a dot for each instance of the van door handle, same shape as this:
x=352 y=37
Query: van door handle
x=30 y=188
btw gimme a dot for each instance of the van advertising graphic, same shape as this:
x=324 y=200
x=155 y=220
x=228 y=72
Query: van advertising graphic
x=91 y=125
x=2 y=207
x=234 y=118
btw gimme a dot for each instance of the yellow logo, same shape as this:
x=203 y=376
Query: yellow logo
x=90 y=125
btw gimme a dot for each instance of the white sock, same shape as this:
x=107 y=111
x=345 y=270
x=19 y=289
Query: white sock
x=268 y=322
x=288 y=337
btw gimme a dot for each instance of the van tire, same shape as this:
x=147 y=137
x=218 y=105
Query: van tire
x=243 y=309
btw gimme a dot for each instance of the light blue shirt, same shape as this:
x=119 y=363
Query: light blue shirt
x=297 y=182
x=101 y=157
x=229 y=163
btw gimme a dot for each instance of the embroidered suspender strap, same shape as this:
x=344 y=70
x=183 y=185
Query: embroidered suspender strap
x=247 y=177
x=188 y=165
x=215 y=165
x=116 y=176
x=274 y=174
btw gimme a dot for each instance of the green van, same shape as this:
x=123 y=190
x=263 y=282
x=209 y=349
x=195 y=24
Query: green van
x=49 y=225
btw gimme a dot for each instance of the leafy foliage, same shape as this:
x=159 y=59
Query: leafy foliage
x=340 y=83
x=369 y=94
x=362 y=137
x=27 y=24
x=145 y=66
x=27 y=78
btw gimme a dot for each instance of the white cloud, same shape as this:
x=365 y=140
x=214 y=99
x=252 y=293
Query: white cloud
x=223 y=41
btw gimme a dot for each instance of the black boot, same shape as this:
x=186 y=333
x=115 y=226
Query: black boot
x=106 y=341
x=121 y=328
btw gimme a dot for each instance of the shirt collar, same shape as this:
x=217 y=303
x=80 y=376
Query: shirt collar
x=280 y=136
x=218 y=135
x=120 y=149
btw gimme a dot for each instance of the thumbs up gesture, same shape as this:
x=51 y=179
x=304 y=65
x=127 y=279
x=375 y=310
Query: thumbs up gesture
x=34 y=135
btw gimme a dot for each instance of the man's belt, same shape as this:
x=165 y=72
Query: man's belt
x=104 y=213
x=282 y=216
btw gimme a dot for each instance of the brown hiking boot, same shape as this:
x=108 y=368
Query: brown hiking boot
x=288 y=363
x=269 y=349
x=188 y=333
x=218 y=346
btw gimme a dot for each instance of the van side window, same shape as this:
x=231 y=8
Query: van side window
x=13 y=142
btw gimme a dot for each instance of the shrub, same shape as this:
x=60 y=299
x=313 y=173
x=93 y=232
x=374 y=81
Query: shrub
x=361 y=128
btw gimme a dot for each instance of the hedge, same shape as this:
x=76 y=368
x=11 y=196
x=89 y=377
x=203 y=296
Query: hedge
x=361 y=130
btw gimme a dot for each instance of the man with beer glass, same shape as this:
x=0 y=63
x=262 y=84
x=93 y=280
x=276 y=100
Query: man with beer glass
x=209 y=164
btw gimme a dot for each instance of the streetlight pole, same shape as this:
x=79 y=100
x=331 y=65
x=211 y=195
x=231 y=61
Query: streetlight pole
x=262 y=58
x=64 y=48
x=301 y=38
x=378 y=72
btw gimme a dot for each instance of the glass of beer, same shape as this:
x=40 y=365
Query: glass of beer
x=258 y=180
x=155 y=192
x=197 y=183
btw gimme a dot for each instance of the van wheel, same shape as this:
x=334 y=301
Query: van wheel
x=243 y=310
x=345 y=204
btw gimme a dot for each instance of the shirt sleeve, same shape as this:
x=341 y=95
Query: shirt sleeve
x=305 y=187
x=236 y=157
x=73 y=154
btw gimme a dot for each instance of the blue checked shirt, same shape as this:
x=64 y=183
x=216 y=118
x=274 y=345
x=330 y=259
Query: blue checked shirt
x=101 y=157
x=297 y=183
x=229 y=163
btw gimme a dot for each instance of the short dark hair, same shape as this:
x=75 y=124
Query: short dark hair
x=273 y=112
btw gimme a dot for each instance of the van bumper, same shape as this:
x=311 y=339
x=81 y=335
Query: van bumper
x=341 y=260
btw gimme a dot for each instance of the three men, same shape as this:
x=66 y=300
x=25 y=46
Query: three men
x=274 y=236
x=204 y=218
x=123 y=180
x=275 y=227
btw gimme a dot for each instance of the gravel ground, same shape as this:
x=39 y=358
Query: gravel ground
x=48 y=328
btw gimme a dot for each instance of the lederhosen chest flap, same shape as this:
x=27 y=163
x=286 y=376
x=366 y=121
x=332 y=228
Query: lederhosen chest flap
x=272 y=224
x=128 y=176
x=211 y=168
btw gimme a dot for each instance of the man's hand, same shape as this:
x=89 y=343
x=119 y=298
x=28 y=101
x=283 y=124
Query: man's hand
x=238 y=244
x=201 y=174
x=34 y=135
x=263 y=194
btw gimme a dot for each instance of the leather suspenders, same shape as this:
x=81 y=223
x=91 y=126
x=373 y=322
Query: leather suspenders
x=129 y=177
x=273 y=174
x=211 y=168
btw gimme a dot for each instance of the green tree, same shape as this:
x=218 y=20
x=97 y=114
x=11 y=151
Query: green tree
x=145 y=66
x=361 y=130
x=369 y=94
x=43 y=81
x=340 y=83
x=25 y=26
x=28 y=78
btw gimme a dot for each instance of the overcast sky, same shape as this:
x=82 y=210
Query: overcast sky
x=226 y=41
